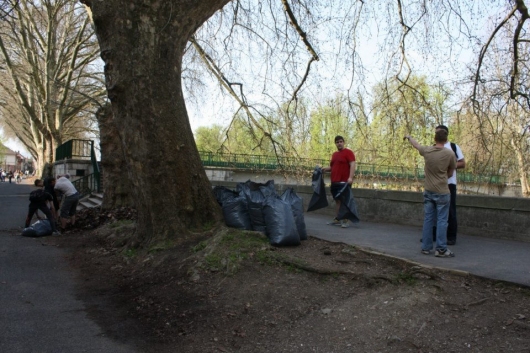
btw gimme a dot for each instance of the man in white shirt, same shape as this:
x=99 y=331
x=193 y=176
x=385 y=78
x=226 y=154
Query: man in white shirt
x=70 y=199
x=460 y=164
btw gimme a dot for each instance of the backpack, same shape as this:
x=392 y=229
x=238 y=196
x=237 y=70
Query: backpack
x=38 y=195
x=453 y=147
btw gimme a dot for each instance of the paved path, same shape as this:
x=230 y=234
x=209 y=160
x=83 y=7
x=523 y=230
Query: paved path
x=38 y=308
x=505 y=260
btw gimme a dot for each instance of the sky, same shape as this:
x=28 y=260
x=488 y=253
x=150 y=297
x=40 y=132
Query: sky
x=13 y=144
x=447 y=62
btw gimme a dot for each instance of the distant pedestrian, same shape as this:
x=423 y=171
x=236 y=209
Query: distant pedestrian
x=10 y=176
x=342 y=168
x=38 y=201
x=440 y=164
x=70 y=200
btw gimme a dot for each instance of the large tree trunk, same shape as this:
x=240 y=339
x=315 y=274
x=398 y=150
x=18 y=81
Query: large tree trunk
x=142 y=44
x=116 y=186
x=46 y=158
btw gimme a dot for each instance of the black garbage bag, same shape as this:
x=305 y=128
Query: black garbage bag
x=319 y=199
x=236 y=214
x=348 y=208
x=222 y=193
x=268 y=188
x=281 y=227
x=38 y=229
x=256 y=193
x=251 y=186
x=297 y=207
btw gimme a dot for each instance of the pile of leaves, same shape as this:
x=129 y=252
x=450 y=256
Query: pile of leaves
x=91 y=218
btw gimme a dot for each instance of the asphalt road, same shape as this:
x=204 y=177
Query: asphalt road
x=38 y=308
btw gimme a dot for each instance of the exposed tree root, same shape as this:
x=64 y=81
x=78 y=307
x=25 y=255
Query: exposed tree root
x=478 y=302
x=423 y=271
x=326 y=271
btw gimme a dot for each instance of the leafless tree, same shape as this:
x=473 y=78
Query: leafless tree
x=49 y=82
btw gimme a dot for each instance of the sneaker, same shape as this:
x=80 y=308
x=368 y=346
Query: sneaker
x=451 y=242
x=425 y=252
x=56 y=233
x=345 y=223
x=446 y=253
x=334 y=222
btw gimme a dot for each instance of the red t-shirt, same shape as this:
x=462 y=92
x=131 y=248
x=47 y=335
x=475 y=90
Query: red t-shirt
x=340 y=165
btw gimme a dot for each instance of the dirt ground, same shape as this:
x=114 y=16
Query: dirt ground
x=232 y=292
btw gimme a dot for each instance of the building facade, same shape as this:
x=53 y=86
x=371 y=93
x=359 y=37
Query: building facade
x=12 y=161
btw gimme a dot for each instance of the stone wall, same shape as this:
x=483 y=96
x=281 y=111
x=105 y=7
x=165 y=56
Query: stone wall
x=73 y=167
x=490 y=216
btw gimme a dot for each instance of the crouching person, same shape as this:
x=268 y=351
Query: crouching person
x=38 y=201
x=70 y=200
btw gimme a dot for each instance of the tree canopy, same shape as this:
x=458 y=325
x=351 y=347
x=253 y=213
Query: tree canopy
x=50 y=84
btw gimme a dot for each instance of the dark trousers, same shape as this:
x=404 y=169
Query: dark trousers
x=41 y=206
x=452 y=225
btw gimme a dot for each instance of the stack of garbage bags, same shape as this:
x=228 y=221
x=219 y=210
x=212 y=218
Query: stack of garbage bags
x=257 y=206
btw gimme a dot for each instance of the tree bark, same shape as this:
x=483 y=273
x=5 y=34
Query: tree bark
x=522 y=168
x=142 y=44
x=116 y=185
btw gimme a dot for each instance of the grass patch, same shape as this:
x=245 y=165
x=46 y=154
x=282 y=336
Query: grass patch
x=406 y=278
x=130 y=253
x=228 y=249
x=204 y=227
x=161 y=246
x=121 y=223
x=201 y=246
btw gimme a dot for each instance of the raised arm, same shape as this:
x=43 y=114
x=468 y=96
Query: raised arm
x=412 y=141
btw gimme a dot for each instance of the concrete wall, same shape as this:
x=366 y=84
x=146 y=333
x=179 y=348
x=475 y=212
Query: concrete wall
x=490 y=216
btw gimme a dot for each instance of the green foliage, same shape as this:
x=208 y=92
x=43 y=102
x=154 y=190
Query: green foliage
x=406 y=278
x=326 y=122
x=201 y=246
x=121 y=223
x=413 y=109
x=130 y=253
x=375 y=134
x=209 y=139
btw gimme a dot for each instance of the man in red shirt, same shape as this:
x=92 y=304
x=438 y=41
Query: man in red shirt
x=342 y=167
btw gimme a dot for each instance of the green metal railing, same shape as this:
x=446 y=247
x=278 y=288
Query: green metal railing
x=74 y=149
x=87 y=184
x=82 y=149
x=260 y=162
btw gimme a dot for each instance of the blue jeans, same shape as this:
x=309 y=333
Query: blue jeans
x=436 y=210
